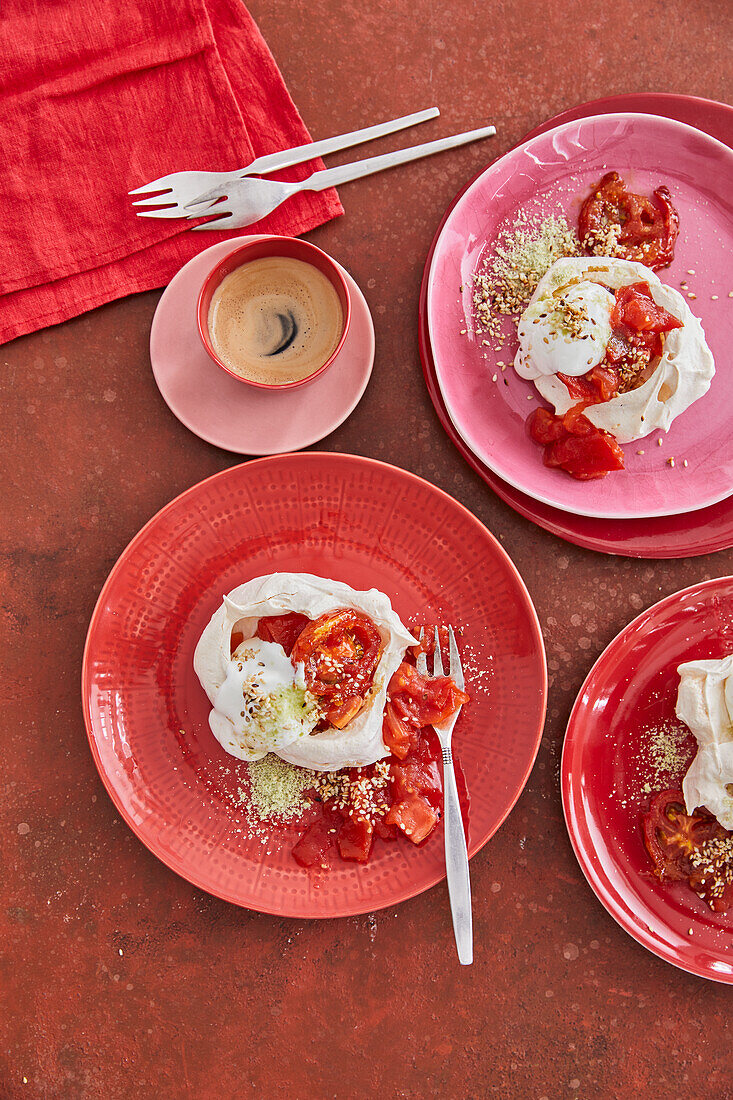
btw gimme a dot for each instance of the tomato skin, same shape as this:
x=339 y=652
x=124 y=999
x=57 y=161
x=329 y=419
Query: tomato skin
x=283 y=629
x=648 y=227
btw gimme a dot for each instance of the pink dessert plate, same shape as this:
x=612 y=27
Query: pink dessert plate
x=552 y=173
x=700 y=532
x=609 y=775
x=241 y=418
x=340 y=516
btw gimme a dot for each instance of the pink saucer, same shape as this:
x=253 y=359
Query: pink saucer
x=553 y=172
x=240 y=418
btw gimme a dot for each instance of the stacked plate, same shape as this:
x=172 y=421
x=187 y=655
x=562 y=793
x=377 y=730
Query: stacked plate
x=673 y=499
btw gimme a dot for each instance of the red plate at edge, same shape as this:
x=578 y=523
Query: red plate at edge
x=631 y=689
x=688 y=535
x=343 y=516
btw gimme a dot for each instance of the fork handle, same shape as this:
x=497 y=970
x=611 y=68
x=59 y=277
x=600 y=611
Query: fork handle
x=333 y=177
x=456 y=863
x=301 y=153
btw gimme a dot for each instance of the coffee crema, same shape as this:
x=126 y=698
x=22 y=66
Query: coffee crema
x=275 y=320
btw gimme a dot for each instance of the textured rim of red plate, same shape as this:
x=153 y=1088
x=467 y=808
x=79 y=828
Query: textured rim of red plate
x=575 y=819
x=563 y=524
x=150 y=843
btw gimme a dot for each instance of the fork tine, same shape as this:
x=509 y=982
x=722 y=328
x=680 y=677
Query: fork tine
x=456 y=668
x=226 y=222
x=171 y=212
x=154 y=185
x=220 y=191
x=437 y=659
x=157 y=200
x=422 y=662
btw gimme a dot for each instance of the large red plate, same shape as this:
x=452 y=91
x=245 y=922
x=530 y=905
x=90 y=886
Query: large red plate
x=700 y=532
x=630 y=690
x=339 y=516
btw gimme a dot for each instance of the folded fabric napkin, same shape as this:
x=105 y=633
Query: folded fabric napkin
x=98 y=99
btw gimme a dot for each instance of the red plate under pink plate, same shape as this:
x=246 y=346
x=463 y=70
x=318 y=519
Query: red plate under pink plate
x=630 y=690
x=552 y=173
x=694 y=533
x=339 y=516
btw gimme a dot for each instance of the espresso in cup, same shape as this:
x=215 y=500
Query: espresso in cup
x=275 y=320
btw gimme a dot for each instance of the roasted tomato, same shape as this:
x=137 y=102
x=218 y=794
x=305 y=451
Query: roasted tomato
x=283 y=629
x=671 y=835
x=340 y=651
x=645 y=229
x=416 y=701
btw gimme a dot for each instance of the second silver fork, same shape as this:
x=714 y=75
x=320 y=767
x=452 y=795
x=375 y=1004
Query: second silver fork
x=456 y=852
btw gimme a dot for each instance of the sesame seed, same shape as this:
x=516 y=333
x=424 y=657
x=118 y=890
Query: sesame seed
x=691 y=295
x=684 y=462
x=714 y=297
x=670 y=461
x=659 y=441
x=690 y=271
x=495 y=378
x=640 y=452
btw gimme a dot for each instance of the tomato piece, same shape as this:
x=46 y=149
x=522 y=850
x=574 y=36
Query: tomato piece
x=635 y=307
x=428 y=700
x=545 y=427
x=671 y=835
x=399 y=731
x=317 y=840
x=418 y=774
x=646 y=228
x=340 y=651
x=355 y=839
x=586 y=457
x=283 y=629
x=575 y=445
x=385 y=831
x=414 y=816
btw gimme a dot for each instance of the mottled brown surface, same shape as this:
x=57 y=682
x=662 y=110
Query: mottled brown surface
x=118 y=979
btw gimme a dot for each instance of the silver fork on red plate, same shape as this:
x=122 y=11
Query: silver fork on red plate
x=456 y=853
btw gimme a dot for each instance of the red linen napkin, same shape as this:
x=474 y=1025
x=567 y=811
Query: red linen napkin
x=98 y=99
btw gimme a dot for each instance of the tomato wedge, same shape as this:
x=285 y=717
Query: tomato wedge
x=340 y=652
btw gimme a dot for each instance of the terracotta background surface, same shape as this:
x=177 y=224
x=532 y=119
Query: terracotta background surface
x=118 y=979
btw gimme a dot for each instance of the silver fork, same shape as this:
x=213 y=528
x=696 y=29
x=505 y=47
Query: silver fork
x=251 y=199
x=456 y=853
x=180 y=188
